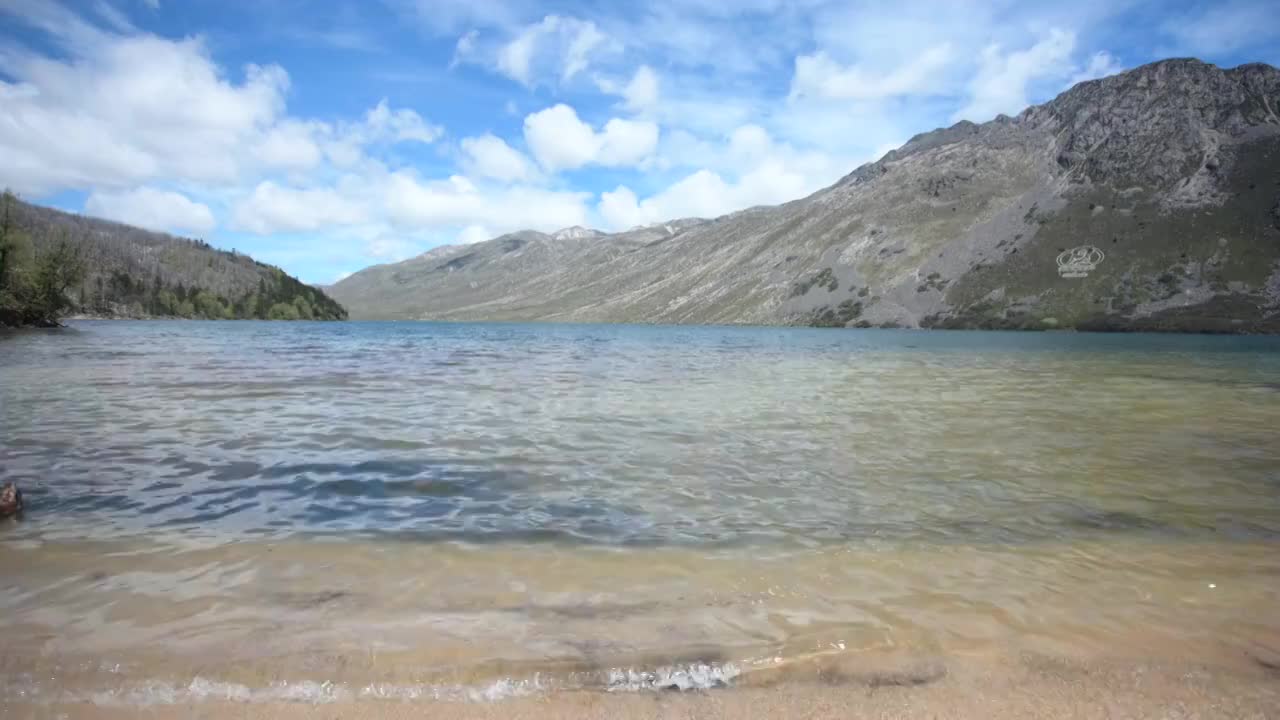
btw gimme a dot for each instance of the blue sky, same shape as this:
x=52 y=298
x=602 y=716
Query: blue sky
x=328 y=136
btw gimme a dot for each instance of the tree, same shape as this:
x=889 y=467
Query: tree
x=6 y=237
x=208 y=306
x=246 y=306
x=303 y=307
x=100 y=303
x=166 y=303
x=58 y=268
x=16 y=260
x=282 y=311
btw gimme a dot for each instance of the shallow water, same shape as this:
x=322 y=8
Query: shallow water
x=318 y=509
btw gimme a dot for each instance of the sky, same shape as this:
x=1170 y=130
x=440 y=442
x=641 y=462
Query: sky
x=325 y=137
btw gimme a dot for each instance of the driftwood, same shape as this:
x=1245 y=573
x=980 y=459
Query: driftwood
x=10 y=500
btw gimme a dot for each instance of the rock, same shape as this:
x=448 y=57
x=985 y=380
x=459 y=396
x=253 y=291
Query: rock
x=10 y=500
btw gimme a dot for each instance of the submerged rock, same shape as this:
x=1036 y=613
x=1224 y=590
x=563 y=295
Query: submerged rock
x=10 y=500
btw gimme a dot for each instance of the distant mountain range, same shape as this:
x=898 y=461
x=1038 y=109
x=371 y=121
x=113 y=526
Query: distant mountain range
x=135 y=273
x=1149 y=200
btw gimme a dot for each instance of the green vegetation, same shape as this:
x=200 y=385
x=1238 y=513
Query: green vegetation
x=823 y=279
x=54 y=263
x=841 y=316
x=34 y=280
x=279 y=298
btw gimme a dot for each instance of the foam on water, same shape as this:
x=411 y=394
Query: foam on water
x=204 y=690
x=693 y=676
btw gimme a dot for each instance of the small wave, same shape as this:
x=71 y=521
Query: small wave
x=697 y=676
x=204 y=690
x=693 y=676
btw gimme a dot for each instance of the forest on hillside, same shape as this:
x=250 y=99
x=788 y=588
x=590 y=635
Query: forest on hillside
x=54 y=263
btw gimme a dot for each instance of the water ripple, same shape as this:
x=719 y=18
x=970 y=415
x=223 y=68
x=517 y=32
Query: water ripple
x=638 y=436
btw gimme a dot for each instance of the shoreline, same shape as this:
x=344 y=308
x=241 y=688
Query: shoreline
x=1013 y=686
x=939 y=329
x=61 y=323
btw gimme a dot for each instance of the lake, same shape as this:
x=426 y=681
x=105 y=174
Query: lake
x=326 y=511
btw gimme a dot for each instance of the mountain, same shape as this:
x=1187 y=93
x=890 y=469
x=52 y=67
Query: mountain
x=577 y=232
x=124 y=271
x=1148 y=200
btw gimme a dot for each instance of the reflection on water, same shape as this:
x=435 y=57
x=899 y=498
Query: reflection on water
x=499 y=501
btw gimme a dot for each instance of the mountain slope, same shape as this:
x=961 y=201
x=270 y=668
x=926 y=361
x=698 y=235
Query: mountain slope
x=130 y=272
x=1146 y=200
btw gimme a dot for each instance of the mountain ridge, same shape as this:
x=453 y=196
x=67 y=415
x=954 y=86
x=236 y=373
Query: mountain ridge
x=1170 y=171
x=131 y=272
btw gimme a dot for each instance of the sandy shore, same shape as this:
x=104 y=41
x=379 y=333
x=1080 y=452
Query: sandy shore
x=242 y=631
x=1026 y=686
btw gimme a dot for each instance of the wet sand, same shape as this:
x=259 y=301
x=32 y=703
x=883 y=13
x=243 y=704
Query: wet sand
x=250 y=630
x=1023 y=686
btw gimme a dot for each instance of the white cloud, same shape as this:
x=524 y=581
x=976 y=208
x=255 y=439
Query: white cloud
x=296 y=145
x=414 y=203
x=382 y=124
x=626 y=142
x=465 y=47
x=704 y=193
x=642 y=92
x=586 y=38
x=124 y=111
x=147 y=207
x=729 y=41
x=1101 y=64
x=153 y=4
x=291 y=145
x=750 y=143
x=516 y=58
x=561 y=141
x=558 y=139
x=748 y=167
x=272 y=208
x=819 y=75
x=391 y=248
x=1001 y=83
x=111 y=16
x=747 y=148
x=620 y=208
x=490 y=156
x=556 y=45
x=472 y=234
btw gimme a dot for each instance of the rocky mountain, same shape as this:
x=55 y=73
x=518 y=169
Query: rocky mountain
x=576 y=232
x=124 y=271
x=1146 y=200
